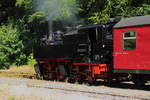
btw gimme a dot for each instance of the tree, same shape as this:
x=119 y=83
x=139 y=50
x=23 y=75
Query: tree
x=7 y=9
x=101 y=10
x=11 y=46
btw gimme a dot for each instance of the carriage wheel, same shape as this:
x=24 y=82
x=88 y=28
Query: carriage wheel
x=138 y=80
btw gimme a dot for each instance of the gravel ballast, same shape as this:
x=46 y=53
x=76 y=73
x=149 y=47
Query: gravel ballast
x=27 y=89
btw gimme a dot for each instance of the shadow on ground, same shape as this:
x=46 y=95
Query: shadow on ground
x=125 y=85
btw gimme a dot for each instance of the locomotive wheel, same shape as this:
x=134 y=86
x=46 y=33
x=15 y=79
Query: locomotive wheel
x=90 y=80
x=61 y=73
x=108 y=81
x=75 y=80
x=38 y=71
x=61 y=78
x=71 y=80
x=91 y=83
x=80 y=81
x=138 y=80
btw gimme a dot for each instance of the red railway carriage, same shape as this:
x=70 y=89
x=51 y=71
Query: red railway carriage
x=131 y=45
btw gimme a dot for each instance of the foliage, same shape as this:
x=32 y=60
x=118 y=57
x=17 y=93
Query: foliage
x=23 y=9
x=31 y=60
x=11 y=46
x=27 y=4
x=101 y=10
x=6 y=10
x=37 y=16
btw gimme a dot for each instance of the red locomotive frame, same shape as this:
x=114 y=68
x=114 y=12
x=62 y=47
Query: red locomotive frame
x=91 y=71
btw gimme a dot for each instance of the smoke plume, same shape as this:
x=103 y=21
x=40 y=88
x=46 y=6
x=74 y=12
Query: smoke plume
x=63 y=11
x=57 y=9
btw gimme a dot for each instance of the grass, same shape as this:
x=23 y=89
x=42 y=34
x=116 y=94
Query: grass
x=19 y=72
x=11 y=98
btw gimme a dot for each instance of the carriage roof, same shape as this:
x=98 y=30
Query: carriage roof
x=133 y=21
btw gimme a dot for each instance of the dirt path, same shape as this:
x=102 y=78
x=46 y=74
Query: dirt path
x=26 y=89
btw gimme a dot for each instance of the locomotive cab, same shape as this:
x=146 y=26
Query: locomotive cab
x=101 y=42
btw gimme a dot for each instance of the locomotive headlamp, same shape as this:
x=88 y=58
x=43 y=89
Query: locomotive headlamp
x=103 y=46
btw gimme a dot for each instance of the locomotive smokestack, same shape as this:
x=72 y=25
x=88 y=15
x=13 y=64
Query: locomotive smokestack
x=50 y=30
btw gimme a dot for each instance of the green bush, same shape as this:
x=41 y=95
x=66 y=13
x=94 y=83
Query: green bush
x=31 y=60
x=11 y=46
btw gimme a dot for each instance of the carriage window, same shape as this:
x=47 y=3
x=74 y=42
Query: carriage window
x=129 y=40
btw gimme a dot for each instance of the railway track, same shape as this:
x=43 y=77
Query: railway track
x=92 y=94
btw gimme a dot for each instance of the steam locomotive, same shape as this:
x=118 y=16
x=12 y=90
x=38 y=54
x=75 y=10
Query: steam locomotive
x=117 y=50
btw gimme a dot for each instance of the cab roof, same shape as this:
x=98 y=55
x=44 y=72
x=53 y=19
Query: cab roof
x=74 y=32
